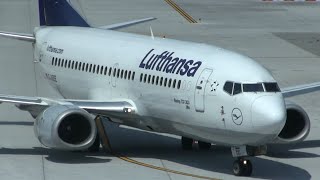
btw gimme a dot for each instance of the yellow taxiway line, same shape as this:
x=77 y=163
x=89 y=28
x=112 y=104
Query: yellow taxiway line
x=181 y=11
x=107 y=146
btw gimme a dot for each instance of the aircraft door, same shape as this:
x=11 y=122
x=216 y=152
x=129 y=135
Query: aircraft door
x=39 y=52
x=114 y=75
x=199 y=96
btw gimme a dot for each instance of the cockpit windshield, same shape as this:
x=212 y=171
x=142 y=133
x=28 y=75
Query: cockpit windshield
x=271 y=87
x=253 y=87
x=234 y=88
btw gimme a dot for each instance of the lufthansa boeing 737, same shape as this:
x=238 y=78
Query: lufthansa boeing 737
x=199 y=92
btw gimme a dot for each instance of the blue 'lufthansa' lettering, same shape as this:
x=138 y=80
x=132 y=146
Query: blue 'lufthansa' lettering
x=167 y=63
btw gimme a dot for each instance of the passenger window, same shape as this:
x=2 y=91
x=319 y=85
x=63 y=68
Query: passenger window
x=87 y=67
x=98 y=69
x=90 y=69
x=145 y=78
x=157 y=81
x=114 y=72
x=118 y=73
x=52 y=61
x=80 y=65
x=174 y=84
x=161 y=80
x=65 y=63
x=165 y=82
x=237 y=89
x=149 y=79
x=59 y=62
x=94 y=69
x=69 y=64
x=125 y=74
x=110 y=71
x=179 y=84
x=228 y=87
x=56 y=61
x=153 y=77
x=122 y=73
x=169 y=83
x=105 y=70
x=76 y=65
x=129 y=76
x=62 y=63
x=133 y=75
x=141 y=77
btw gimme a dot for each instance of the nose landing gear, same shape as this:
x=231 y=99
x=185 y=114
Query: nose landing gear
x=242 y=167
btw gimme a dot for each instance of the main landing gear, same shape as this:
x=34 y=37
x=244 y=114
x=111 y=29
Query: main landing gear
x=242 y=166
x=95 y=147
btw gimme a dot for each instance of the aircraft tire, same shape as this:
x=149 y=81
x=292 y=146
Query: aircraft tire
x=240 y=168
x=186 y=143
x=248 y=168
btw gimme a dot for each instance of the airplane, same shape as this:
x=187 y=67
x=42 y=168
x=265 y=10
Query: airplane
x=197 y=91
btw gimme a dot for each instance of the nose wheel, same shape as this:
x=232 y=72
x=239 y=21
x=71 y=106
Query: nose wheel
x=242 y=167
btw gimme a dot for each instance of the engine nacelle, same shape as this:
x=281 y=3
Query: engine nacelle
x=65 y=128
x=297 y=125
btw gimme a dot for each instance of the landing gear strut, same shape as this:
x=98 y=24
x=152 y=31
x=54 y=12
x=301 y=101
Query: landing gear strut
x=95 y=147
x=204 y=145
x=186 y=143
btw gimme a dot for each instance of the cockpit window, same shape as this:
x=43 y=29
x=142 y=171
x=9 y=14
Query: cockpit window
x=228 y=87
x=271 y=87
x=237 y=89
x=253 y=87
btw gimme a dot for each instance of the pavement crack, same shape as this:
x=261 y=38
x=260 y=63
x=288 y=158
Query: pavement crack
x=165 y=167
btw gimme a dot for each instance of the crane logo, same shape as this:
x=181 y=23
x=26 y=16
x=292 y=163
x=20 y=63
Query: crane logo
x=237 y=117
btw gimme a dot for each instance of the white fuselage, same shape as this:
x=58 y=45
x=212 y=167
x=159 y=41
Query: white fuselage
x=101 y=65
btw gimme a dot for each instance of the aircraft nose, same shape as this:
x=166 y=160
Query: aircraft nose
x=268 y=114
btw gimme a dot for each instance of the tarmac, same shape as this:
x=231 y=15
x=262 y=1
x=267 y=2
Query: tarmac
x=282 y=36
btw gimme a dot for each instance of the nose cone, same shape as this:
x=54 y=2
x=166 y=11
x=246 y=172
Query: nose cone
x=269 y=114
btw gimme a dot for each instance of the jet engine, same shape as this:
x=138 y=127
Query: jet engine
x=65 y=128
x=297 y=125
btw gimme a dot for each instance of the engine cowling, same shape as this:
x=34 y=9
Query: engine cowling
x=65 y=128
x=297 y=125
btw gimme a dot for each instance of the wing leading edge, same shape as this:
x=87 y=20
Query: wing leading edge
x=127 y=24
x=35 y=105
x=300 y=89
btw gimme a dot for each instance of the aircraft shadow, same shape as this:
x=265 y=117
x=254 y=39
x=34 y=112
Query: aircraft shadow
x=139 y=144
x=58 y=156
x=290 y=150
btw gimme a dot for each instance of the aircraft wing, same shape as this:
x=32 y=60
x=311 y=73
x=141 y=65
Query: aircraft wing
x=35 y=105
x=300 y=89
x=127 y=24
